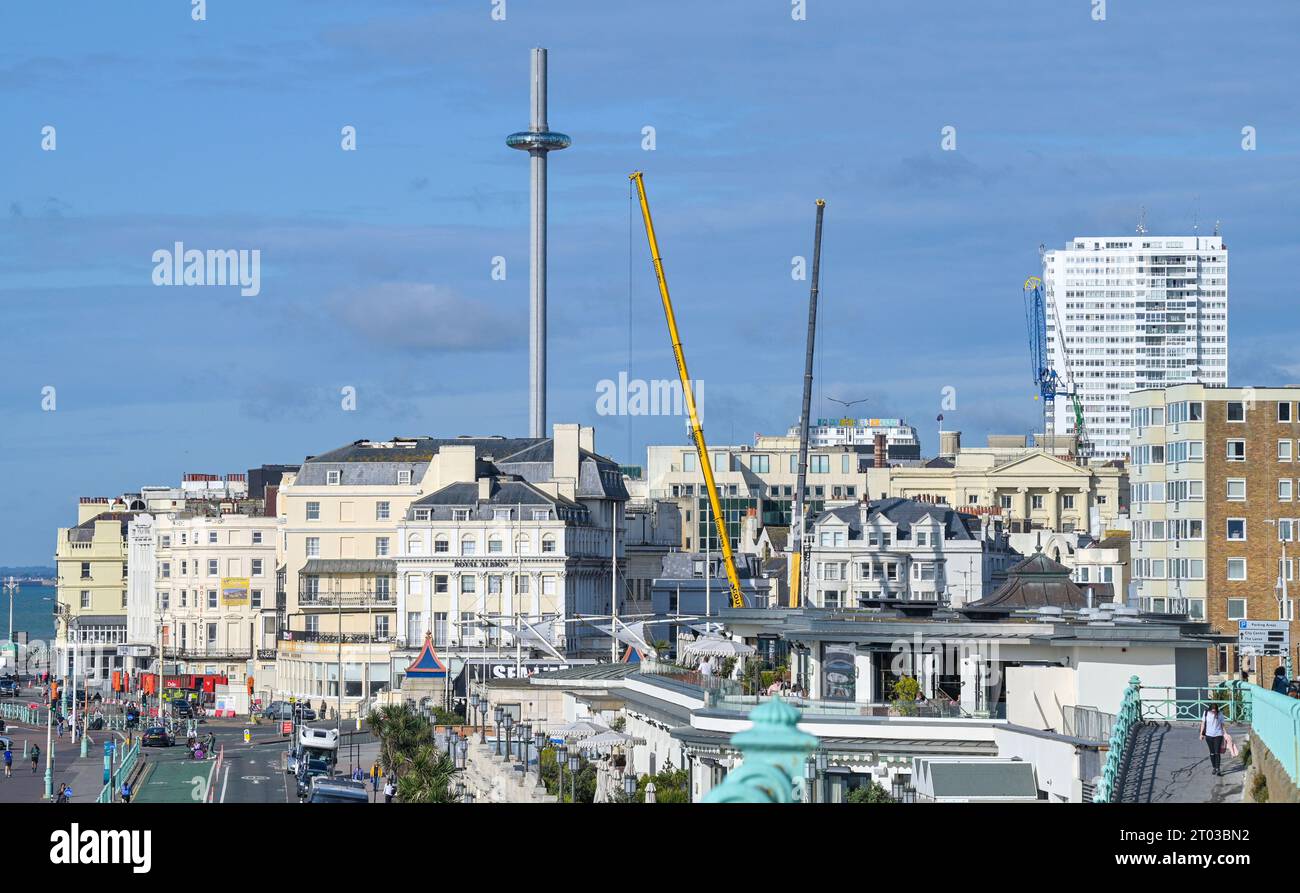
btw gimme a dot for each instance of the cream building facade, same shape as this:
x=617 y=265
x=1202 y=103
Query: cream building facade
x=347 y=521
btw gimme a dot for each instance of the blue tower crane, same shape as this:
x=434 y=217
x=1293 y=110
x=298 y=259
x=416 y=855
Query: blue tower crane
x=1049 y=384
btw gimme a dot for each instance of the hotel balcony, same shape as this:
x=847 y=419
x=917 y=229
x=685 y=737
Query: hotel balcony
x=317 y=602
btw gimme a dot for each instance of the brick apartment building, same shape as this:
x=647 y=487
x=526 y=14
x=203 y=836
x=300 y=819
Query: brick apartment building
x=1215 y=508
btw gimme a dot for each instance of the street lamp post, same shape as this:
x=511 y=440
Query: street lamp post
x=497 y=715
x=810 y=780
x=539 y=739
x=525 y=741
x=508 y=723
x=629 y=785
x=821 y=772
x=561 y=755
x=573 y=775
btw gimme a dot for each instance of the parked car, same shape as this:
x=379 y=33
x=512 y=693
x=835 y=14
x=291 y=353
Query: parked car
x=337 y=790
x=156 y=736
x=306 y=714
x=9 y=688
x=278 y=710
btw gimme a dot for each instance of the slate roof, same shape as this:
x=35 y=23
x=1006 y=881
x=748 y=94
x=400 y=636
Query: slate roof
x=1035 y=582
x=85 y=531
x=504 y=492
x=366 y=462
x=590 y=671
x=904 y=513
x=980 y=780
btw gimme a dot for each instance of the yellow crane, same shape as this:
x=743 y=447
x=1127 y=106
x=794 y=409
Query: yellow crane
x=697 y=432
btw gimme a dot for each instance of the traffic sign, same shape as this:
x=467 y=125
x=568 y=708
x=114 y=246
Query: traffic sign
x=1264 y=637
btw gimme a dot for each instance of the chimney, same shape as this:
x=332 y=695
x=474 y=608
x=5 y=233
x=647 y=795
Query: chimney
x=880 y=451
x=587 y=438
x=949 y=444
x=271 y=504
x=565 y=452
x=864 y=509
x=751 y=527
x=484 y=489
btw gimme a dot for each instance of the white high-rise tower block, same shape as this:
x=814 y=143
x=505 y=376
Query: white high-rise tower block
x=1131 y=312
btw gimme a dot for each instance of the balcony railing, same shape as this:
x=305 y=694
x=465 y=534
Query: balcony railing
x=929 y=709
x=346 y=600
x=207 y=652
x=301 y=635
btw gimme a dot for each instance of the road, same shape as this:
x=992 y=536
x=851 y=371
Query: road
x=250 y=773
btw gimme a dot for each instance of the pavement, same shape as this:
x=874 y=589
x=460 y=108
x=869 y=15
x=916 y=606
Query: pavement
x=86 y=776
x=1169 y=763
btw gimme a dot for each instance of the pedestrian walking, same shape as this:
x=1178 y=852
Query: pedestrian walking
x=126 y=792
x=62 y=796
x=389 y=790
x=9 y=762
x=1280 y=683
x=1212 y=735
x=36 y=756
x=67 y=793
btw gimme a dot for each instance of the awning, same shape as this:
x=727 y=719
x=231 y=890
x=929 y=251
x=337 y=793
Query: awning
x=333 y=566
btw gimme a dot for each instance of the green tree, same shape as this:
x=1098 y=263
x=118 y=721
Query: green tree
x=401 y=733
x=904 y=693
x=671 y=785
x=871 y=792
x=428 y=777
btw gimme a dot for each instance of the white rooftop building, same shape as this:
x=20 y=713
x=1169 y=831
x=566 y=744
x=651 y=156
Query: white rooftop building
x=1132 y=312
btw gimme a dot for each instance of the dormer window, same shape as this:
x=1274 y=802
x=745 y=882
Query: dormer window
x=422 y=514
x=460 y=514
x=403 y=477
x=333 y=477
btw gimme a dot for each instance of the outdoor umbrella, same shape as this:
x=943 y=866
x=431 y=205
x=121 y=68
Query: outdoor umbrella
x=713 y=646
x=606 y=739
x=580 y=729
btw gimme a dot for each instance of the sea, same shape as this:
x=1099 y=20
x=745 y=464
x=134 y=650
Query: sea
x=33 y=612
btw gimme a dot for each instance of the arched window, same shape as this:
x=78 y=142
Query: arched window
x=548 y=543
x=524 y=544
x=468 y=546
x=440 y=543
x=414 y=544
x=494 y=545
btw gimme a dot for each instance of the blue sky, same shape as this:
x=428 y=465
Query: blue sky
x=376 y=263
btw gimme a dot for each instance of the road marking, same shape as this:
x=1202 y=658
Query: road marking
x=225 y=781
x=256 y=779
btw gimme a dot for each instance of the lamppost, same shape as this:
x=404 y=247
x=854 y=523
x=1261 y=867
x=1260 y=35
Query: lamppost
x=821 y=772
x=508 y=723
x=462 y=748
x=497 y=715
x=525 y=742
x=561 y=755
x=810 y=780
x=539 y=740
x=629 y=785
x=573 y=775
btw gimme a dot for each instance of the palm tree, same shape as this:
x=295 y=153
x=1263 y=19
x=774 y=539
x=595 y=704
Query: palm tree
x=401 y=732
x=428 y=777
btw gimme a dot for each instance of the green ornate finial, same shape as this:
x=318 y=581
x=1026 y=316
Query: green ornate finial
x=774 y=749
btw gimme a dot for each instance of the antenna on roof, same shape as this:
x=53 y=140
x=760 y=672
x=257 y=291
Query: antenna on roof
x=1142 y=220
